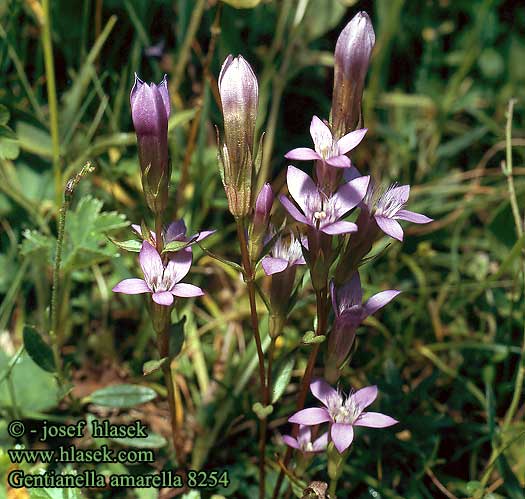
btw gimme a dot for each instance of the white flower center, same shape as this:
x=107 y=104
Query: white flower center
x=321 y=209
x=341 y=410
x=287 y=249
x=389 y=203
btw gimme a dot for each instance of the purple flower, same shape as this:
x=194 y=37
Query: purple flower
x=304 y=443
x=150 y=110
x=387 y=208
x=327 y=149
x=176 y=231
x=343 y=413
x=352 y=56
x=350 y=312
x=285 y=253
x=162 y=281
x=320 y=211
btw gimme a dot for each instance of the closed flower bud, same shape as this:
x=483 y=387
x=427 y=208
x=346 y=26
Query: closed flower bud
x=239 y=97
x=261 y=218
x=352 y=57
x=150 y=110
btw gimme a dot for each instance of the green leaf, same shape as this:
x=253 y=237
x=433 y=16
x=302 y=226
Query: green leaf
x=153 y=365
x=86 y=234
x=39 y=350
x=36 y=242
x=130 y=245
x=310 y=338
x=36 y=390
x=122 y=396
x=152 y=441
x=284 y=374
x=9 y=149
x=262 y=411
x=175 y=246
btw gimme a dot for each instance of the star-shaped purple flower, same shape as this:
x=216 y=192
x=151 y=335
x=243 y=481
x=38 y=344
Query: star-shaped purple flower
x=285 y=253
x=326 y=148
x=388 y=207
x=320 y=211
x=343 y=413
x=350 y=312
x=347 y=302
x=163 y=282
x=304 y=443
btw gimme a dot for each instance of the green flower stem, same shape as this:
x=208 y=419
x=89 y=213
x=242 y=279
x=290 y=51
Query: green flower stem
x=322 y=316
x=250 y=283
x=52 y=97
x=55 y=343
x=163 y=345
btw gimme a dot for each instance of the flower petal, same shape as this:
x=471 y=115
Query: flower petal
x=342 y=436
x=185 y=290
x=292 y=210
x=176 y=231
x=151 y=263
x=340 y=227
x=163 y=89
x=351 y=140
x=339 y=161
x=320 y=443
x=304 y=437
x=364 y=397
x=177 y=268
x=379 y=300
x=300 y=186
x=273 y=265
x=351 y=173
x=349 y=195
x=203 y=234
x=401 y=193
x=163 y=298
x=321 y=134
x=310 y=416
x=390 y=227
x=411 y=216
x=132 y=287
x=290 y=442
x=302 y=154
x=322 y=391
x=375 y=420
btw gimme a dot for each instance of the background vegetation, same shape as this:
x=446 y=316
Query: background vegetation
x=445 y=354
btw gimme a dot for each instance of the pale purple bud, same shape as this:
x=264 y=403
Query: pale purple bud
x=352 y=57
x=263 y=205
x=261 y=218
x=150 y=110
x=239 y=98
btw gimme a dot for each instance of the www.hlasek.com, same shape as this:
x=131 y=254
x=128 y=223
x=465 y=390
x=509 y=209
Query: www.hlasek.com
x=104 y=454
